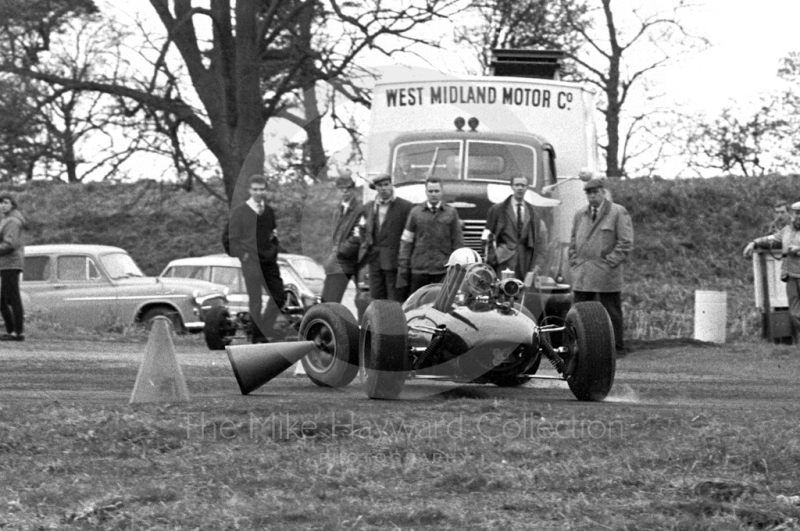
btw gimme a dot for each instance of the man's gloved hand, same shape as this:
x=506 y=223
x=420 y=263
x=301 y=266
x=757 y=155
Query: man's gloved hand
x=403 y=276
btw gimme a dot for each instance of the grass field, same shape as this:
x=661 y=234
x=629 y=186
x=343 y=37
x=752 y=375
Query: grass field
x=691 y=438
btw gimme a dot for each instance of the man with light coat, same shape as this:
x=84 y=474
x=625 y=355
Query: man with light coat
x=602 y=239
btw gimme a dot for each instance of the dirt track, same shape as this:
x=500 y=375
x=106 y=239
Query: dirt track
x=746 y=376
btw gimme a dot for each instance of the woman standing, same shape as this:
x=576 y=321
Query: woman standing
x=12 y=252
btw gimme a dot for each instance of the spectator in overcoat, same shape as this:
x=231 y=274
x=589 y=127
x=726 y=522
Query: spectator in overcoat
x=601 y=240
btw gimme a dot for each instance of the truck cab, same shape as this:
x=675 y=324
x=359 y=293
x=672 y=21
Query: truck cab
x=475 y=132
x=475 y=168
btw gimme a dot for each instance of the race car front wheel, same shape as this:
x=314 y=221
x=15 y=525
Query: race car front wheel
x=334 y=331
x=384 y=350
x=590 y=339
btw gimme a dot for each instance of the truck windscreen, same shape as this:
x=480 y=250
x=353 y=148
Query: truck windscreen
x=416 y=161
x=486 y=161
x=499 y=161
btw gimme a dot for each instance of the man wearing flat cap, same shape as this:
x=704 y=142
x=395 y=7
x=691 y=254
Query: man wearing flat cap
x=341 y=263
x=602 y=239
x=380 y=229
x=788 y=238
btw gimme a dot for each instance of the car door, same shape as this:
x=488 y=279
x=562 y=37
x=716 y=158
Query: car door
x=70 y=288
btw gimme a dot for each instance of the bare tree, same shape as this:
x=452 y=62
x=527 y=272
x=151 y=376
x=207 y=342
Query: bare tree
x=610 y=68
x=520 y=24
x=85 y=132
x=737 y=140
x=26 y=29
x=601 y=49
x=20 y=129
x=790 y=100
x=245 y=63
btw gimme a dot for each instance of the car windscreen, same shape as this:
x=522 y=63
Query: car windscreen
x=120 y=265
x=230 y=277
x=197 y=272
x=308 y=269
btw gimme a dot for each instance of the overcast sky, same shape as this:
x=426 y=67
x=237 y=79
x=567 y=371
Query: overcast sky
x=749 y=39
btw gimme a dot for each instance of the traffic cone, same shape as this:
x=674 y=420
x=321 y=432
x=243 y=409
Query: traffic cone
x=255 y=365
x=160 y=378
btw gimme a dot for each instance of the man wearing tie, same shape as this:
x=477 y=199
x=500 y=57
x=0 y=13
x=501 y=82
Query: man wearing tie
x=380 y=230
x=602 y=239
x=252 y=239
x=515 y=237
x=341 y=263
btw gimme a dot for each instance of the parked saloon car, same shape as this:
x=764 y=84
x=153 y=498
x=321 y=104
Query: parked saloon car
x=302 y=278
x=93 y=286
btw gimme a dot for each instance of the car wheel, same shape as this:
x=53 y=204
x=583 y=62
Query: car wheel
x=163 y=311
x=384 y=349
x=590 y=339
x=218 y=328
x=334 y=331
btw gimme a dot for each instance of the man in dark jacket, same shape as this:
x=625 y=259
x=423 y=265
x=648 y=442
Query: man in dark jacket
x=252 y=239
x=380 y=230
x=341 y=264
x=432 y=233
x=602 y=239
x=515 y=236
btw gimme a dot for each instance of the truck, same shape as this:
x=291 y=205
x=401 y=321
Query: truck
x=475 y=132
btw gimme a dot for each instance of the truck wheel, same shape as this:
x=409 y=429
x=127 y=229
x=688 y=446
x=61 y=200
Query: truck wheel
x=218 y=328
x=384 y=349
x=590 y=338
x=334 y=331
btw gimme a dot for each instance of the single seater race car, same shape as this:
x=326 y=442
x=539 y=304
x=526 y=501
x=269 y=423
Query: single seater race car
x=472 y=328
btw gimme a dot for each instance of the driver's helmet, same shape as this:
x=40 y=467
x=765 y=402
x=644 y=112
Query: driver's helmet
x=463 y=256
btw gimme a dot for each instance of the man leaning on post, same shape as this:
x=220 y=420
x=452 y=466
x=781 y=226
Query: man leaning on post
x=788 y=238
x=602 y=239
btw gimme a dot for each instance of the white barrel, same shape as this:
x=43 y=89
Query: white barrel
x=710 y=315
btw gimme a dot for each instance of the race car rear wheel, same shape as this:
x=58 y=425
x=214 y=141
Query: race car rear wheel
x=334 y=331
x=218 y=328
x=590 y=338
x=384 y=350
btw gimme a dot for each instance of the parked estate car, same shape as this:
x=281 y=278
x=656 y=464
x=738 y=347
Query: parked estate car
x=302 y=278
x=97 y=285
